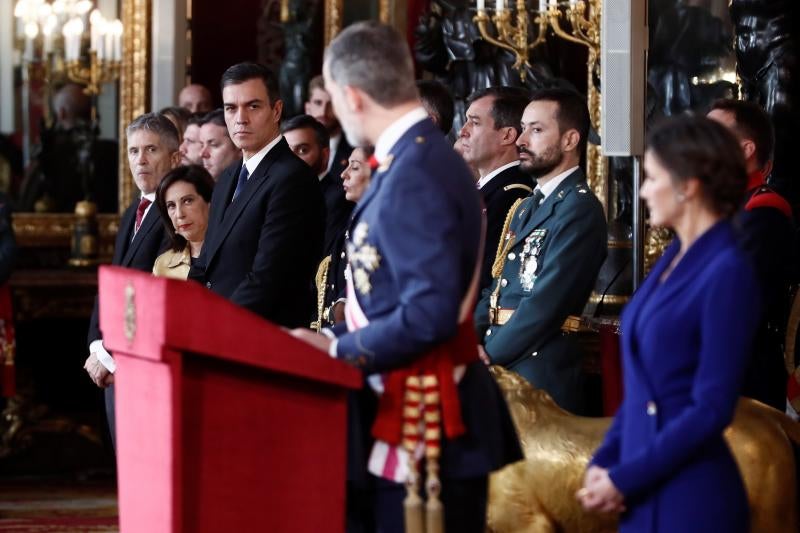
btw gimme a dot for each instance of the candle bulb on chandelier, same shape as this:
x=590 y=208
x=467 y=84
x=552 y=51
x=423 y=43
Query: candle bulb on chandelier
x=480 y=5
x=499 y=5
x=554 y=4
x=116 y=30
x=542 y=6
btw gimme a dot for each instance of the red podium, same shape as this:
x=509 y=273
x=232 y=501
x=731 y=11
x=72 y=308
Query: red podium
x=224 y=421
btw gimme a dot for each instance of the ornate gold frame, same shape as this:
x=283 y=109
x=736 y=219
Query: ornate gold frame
x=389 y=12
x=55 y=229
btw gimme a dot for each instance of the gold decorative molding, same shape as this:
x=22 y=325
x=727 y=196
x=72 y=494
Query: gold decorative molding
x=134 y=83
x=609 y=299
x=333 y=19
x=55 y=229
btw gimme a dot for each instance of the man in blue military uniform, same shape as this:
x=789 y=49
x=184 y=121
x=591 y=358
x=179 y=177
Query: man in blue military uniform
x=548 y=259
x=414 y=258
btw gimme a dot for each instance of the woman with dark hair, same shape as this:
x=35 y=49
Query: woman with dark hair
x=686 y=336
x=330 y=278
x=183 y=199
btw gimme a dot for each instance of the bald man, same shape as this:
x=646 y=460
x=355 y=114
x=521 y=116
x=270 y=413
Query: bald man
x=195 y=98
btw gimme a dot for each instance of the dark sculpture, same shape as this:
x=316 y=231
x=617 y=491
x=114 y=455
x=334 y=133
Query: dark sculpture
x=766 y=51
x=686 y=42
x=450 y=46
x=300 y=42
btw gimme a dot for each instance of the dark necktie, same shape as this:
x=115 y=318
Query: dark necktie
x=537 y=199
x=243 y=175
x=143 y=203
x=538 y=196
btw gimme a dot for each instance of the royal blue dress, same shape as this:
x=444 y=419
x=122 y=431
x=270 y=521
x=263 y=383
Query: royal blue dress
x=685 y=345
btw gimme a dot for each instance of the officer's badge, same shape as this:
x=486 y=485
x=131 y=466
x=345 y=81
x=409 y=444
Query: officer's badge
x=529 y=259
x=364 y=258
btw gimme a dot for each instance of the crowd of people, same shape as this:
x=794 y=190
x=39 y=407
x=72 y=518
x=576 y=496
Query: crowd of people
x=372 y=237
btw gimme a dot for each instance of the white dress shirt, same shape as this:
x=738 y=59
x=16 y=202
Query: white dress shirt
x=548 y=188
x=488 y=177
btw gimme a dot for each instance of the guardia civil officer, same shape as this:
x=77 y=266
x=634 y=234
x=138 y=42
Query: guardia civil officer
x=549 y=257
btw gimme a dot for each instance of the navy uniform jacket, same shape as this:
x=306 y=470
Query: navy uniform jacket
x=413 y=246
x=140 y=253
x=262 y=250
x=545 y=283
x=498 y=196
x=685 y=344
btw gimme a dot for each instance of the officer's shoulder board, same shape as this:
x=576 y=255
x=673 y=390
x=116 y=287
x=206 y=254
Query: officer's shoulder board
x=766 y=197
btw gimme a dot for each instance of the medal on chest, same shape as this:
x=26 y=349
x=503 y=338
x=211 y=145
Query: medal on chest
x=364 y=258
x=529 y=259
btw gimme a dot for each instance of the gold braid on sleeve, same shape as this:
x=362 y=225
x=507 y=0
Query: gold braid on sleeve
x=321 y=281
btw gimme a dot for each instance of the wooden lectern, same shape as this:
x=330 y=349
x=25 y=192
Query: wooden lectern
x=224 y=422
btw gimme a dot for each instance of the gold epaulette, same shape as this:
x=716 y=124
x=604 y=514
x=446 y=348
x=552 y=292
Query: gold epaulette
x=321 y=280
x=518 y=186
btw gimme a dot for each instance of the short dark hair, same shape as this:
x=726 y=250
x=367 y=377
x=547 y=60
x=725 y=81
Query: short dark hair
x=572 y=112
x=193 y=174
x=437 y=97
x=752 y=123
x=195 y=119
x=216 y=117
x=508 y=104
x=375 y=58
x=159 y=124
x=307 y=121
x=242 y=72
x=697 y=147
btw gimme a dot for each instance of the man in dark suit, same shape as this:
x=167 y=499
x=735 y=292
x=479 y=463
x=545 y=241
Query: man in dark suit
x=413 y=251
x=266 y=223
x=488 y=144
x=337 y=208
x=309 y=141
x=765 y=229
x=319 y=106
x=153 y=150
x=550 y=262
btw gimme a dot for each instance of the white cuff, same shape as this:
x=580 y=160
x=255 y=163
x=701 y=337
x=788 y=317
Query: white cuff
x=332 y=348
x=103 y=356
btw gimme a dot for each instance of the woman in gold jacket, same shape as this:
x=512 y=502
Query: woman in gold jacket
x=183 y=199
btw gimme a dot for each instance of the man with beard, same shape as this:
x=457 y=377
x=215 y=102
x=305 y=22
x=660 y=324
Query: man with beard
x=191 y=147
x=553 y=248
x=218 y=151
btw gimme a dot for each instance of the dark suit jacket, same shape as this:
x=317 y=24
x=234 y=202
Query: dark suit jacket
x=340 y=157
x=566 y=246
x=261 y=251
x=686 y=345
x=139 y=253
x=498 y=196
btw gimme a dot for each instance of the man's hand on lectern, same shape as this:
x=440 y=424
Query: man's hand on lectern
x=317 y=340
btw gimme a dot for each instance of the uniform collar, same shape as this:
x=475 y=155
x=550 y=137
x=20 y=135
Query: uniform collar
x=757 y=178
x=488 y=177
x=397 y=129
x=548 y=188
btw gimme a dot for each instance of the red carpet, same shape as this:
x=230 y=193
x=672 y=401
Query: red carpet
x=37 y=505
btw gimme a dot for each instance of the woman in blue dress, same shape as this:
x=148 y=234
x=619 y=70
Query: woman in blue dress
x=686 y=336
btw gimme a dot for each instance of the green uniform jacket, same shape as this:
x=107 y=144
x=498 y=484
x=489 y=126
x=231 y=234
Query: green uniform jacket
x=549 y=273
